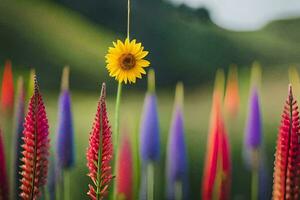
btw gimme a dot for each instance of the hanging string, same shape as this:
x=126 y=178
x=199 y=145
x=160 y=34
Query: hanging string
x=128 y=18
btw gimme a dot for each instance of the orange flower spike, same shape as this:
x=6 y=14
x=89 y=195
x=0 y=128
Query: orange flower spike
x=7 y=91
x=232 y=98
x=286 y=177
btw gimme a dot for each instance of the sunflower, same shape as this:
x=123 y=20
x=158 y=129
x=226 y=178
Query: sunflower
x=125 y=61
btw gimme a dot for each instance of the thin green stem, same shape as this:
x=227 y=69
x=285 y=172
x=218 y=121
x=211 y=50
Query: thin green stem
x=116 y=137
x=178 y=190
x=117 y=118
x=128 y=18
x=67 y=185
x=254 y=174
x=150 y=181
x=254 y=184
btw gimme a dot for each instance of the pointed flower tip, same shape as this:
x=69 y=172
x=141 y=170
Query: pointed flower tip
x=103 y=91
x=65 y=78
x=290 y=91
x=179 y=94
x=151 y=81
x=219 y=82
x=36 y=85
x=7 y=90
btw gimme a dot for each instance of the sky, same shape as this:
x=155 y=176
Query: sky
x=246 y=14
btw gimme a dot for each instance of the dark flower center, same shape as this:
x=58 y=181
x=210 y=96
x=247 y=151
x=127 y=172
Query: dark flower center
x=127 y=61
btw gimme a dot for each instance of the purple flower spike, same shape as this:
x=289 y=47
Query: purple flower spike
x=177 y=158
x=150 y=142
x=254 y=127
x=65 y=143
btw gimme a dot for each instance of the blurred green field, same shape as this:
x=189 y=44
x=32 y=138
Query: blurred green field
x=47 y=35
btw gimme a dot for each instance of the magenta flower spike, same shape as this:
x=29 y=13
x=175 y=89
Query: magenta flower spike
x=36 y=145
x=100 y=152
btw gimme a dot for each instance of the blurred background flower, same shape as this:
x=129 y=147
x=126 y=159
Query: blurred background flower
x=177 y=168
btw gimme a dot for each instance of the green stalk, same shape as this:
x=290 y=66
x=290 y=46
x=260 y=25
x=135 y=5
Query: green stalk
x=67 y=185
x=254 y=175
x=178 y=190
x=254 y=185
x=116 y=130
x=117 y=120
x=150 y=181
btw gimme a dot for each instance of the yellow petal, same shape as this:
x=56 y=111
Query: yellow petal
x=143 y=63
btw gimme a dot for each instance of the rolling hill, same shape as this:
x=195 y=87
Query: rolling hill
x=183 y=45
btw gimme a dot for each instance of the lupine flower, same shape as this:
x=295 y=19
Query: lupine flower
x=125 y=61
x=232 y=99
x=253 y=151
x=149 y=142
x=7 y=92
x=149 y=139
x=18 y=131
x=177 y=158
x=65 y=135
x=287 y=157
x=125 y=173
x=4 y=191
x=253 y=137
x=35 y=148
x=217 y=171
x=100 y=152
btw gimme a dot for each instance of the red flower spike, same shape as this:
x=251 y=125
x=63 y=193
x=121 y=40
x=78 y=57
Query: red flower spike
x=35 y=148
x=286 y=177
x=7 y=92
x=100 y=152
x=217 y=179
x=3 y=173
